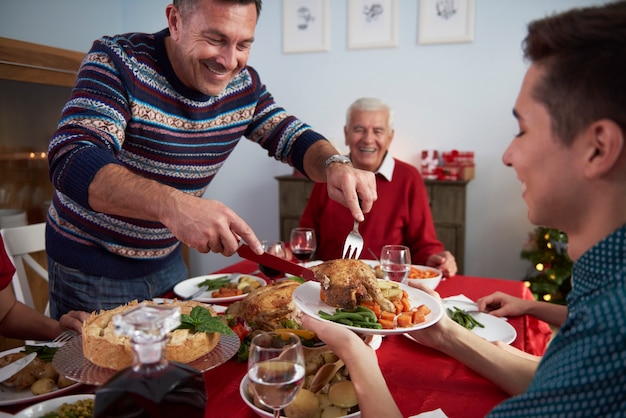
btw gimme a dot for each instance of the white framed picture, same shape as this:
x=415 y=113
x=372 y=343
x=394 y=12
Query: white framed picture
x=305 y=26
x=445 y=21
x=372 y=24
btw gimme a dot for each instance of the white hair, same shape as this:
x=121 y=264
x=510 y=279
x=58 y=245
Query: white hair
x=370 y=104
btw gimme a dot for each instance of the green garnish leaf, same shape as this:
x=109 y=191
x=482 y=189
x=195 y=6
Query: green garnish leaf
x=201 y=320
x=44 y=352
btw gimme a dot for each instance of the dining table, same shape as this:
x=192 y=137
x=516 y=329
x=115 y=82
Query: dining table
x=419 y=378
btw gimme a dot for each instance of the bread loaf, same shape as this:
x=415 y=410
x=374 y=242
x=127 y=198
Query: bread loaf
x=106 y=349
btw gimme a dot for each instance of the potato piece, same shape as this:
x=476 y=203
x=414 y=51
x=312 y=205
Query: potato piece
x=304 y=405
x=63 y=382
x=323 y=400
x=43 y=386
x=330 y=357
x=47 y=370
x=313 y=364
x=334 y=412
x=343 y=394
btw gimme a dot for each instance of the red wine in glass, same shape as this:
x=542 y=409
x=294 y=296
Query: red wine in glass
x=303 y=255
x=278 y=249
x=270 y=272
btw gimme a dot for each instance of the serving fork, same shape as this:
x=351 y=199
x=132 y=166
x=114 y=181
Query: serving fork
x=354 y=243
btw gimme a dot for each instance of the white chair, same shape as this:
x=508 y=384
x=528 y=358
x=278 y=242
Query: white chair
x=20 y=242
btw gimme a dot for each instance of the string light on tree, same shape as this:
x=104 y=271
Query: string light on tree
x=550 y=272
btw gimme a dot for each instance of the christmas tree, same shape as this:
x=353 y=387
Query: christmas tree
x=549 y=276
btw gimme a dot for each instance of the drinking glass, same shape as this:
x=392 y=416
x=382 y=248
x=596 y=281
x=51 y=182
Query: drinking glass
x=303 y=244
x=276 y=368
x=278 y=249
x=395 y=262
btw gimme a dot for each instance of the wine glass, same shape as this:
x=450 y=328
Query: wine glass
x=276 y=368
x=278 y=249
x=395 y=262
x=303 y=243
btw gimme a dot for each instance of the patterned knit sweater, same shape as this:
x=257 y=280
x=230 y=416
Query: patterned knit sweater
x=129 y=108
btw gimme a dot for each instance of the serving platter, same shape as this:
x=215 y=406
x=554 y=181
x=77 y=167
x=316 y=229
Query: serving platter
x=50 y=405
x=188 y=287
x=307 y=299
x=10 y=396
x=71 y=361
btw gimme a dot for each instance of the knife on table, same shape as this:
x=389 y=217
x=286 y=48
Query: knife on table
x=277 y=263
x=9 y=370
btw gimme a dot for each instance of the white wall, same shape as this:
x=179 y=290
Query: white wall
x=455 y=96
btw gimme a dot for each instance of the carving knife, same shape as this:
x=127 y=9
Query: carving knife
x=277 y=263
x=9 y=370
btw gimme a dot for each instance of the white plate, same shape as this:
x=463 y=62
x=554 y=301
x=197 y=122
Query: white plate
x=188 y=287
x=10 y=396
x=496 y=329
x=51 y=405
x=307 y=299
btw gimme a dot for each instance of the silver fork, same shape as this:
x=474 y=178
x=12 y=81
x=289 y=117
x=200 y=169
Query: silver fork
x=64 y=337
x=354 y=243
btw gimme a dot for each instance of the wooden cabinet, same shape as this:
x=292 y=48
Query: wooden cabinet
x=447 y=202
x=293 y=195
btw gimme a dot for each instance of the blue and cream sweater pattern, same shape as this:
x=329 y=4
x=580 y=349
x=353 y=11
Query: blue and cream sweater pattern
x=129 y=108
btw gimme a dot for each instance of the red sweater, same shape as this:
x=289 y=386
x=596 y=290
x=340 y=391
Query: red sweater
x=401 y=215
x=7 y=269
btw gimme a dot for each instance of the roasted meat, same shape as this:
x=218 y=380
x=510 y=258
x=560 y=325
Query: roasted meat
x=268 y=307
x=347 y=282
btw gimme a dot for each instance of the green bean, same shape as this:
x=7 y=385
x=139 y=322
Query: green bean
x=463 y=318
x=367 y=324
x=367 y=313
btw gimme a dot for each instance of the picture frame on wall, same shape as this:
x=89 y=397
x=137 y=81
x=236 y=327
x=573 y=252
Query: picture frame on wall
x=372 y=24
x=445 y=21
x=306 y=26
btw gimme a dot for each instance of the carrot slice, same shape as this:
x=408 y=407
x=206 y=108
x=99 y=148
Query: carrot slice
x=387 y=316
x=406 y=305
x=387 y=324
x=404 y=320
x=399 y=306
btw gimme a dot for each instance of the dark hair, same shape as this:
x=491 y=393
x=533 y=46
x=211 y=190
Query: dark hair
x=583 y=54
x=186 y=5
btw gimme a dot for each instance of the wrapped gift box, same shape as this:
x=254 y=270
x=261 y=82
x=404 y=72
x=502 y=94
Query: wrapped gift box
x=430 y=164
x=458 y=165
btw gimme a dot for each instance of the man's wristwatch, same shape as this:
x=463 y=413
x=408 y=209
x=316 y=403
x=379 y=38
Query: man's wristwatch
x=336 y=159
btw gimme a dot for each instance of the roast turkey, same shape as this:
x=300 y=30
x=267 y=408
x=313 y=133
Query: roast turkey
x=345 y=283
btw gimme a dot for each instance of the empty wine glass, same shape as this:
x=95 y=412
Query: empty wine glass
x=303 y=244
x=276 y=368
x=395 y=262
x=278 y=249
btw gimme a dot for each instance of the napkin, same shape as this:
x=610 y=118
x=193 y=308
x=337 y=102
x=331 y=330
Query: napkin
x=460 y=299
x=437 y=413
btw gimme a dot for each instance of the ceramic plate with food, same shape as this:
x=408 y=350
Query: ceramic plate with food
x=51 y=405
x=188 y=287
x=12 y=396
x=307 y=299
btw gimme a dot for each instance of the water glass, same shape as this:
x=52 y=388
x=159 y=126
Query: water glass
x=395 y=262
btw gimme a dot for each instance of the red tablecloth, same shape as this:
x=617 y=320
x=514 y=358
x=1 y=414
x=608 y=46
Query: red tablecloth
x=420 y=379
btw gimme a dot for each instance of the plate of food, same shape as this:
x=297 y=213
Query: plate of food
x=220 y=288
x=66 y=404
x=347 y=285
x=95 y=356
x=489 y=327
x=38 y=381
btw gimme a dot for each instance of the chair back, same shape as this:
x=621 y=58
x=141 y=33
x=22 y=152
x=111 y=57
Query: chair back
x=20 y=242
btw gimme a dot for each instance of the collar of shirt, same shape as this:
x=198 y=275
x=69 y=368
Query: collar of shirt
x=386 y=167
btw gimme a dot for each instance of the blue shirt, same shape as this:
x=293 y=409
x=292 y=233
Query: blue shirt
x=583 y=372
